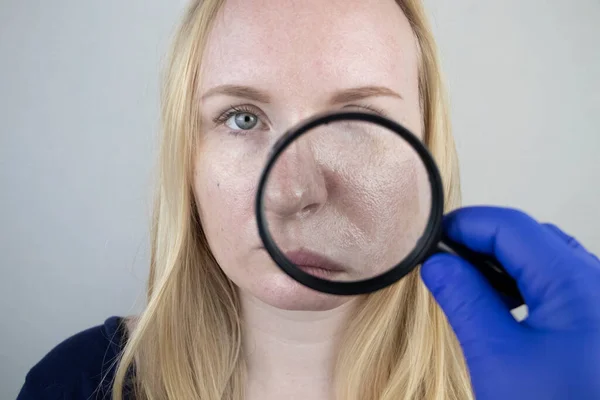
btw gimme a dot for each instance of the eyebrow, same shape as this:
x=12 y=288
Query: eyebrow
x=239 y=91
x=359 y=93
x=340 y=96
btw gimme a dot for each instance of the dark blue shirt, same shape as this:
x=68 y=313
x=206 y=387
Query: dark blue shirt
x=81 y=367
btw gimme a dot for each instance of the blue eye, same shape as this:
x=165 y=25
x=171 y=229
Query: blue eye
x=241 y=120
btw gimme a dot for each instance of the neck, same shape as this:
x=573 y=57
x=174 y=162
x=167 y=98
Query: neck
x=290 y=354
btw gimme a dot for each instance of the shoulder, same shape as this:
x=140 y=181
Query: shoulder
x=80 y=367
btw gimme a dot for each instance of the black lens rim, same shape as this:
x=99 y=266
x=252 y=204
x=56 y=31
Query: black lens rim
x=425 y=246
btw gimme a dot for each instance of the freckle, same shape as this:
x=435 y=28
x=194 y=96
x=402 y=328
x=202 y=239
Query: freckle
x=218 y=184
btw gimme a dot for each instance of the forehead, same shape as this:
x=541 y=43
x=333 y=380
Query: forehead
x=341 y=42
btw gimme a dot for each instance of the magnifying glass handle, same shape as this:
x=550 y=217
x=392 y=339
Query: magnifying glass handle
x=489 y=267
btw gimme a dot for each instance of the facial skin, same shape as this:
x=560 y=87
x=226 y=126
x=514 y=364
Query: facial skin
x=268 y=65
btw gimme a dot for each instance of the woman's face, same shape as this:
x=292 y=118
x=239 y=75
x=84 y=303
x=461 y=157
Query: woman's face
x=268 y=65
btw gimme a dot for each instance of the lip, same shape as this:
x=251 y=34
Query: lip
x=311 y=262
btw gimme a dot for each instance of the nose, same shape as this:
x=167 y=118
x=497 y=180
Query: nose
x=296 y=184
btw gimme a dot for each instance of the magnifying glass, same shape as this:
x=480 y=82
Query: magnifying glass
x=350 y=202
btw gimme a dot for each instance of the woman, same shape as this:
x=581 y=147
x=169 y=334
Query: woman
x=221 y=320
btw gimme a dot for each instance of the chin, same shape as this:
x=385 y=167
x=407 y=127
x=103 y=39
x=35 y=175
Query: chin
x=281 y=291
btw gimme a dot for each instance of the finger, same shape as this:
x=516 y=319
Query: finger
x=472 y=306
x=535 y=257
x=569 y=240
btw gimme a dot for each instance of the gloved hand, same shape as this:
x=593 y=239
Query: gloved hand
x=555 y=352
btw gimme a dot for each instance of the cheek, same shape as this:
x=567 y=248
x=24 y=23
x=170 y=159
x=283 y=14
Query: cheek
x=388 y=201
x=225 y=205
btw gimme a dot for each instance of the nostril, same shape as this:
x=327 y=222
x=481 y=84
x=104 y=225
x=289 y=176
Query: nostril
x=309 y=209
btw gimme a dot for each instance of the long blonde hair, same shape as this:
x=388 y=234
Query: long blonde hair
x=186 y=344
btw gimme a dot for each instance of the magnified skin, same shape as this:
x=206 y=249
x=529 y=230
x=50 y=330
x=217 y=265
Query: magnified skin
x=353 y=193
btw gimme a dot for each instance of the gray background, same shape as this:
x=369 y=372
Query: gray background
x=79 y=118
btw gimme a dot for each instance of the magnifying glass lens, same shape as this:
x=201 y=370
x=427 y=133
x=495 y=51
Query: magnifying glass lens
x=346 y=201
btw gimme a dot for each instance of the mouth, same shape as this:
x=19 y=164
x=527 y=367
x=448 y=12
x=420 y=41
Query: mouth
x=314 y=264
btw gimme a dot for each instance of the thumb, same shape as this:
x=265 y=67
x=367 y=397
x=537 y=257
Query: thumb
x=475 y=311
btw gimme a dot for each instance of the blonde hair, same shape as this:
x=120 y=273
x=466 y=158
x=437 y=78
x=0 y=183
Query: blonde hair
x=187 y=342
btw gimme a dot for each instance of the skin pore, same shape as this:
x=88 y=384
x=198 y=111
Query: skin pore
x=268 y=65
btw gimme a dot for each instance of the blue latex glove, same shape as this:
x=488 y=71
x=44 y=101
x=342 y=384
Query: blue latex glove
x=555 y=352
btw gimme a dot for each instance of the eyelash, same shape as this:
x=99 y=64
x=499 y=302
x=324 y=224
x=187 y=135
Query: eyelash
x=233 y=110
x=247 y=108
x=369 y=108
